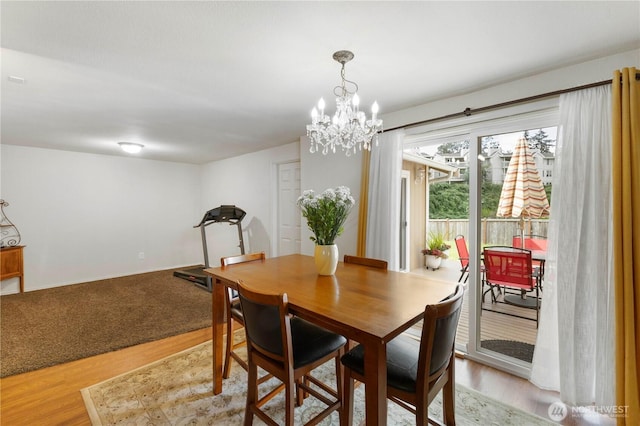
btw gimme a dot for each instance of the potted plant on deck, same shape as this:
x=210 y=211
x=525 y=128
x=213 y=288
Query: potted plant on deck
x=436 y=250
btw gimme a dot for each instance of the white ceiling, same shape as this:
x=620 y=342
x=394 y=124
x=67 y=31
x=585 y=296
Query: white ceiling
x=200 y=81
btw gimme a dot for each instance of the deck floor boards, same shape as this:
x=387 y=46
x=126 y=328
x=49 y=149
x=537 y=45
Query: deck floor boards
x=495 y=323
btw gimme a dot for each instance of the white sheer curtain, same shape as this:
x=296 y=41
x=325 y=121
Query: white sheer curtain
x=575 y=347
x=383 y=218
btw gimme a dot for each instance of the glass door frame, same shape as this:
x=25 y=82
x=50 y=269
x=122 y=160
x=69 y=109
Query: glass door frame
x=538 y=114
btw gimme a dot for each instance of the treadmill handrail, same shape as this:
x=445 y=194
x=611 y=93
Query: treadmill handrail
x=224 y=213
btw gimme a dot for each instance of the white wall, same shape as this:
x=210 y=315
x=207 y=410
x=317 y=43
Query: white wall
x=320 y=172
x=249 y=182
x=562 y=78
x=85 y=217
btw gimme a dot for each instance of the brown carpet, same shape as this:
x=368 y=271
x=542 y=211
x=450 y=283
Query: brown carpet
x=48 y=327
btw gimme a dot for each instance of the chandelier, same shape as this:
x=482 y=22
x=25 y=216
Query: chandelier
x=349 y=127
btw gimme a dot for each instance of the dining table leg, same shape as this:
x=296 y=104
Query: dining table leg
x=375 y=373
x=217 y=294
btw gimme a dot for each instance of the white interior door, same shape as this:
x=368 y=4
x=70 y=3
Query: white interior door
x=288 y=212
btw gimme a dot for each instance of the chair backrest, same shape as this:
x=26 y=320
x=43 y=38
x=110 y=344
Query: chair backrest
x=439 y=336
x=241 y=258
x=508 y=266
x=463 y=251
x=267 y=323
x=366 y=261
x=531 y=242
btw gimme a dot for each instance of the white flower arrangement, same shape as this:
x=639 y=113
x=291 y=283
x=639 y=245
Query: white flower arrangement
x=326 y=213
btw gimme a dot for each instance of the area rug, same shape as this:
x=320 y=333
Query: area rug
x=48 y=327
x=512 y=348
x=178 y=391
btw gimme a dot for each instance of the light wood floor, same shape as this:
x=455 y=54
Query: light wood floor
x=51 y=396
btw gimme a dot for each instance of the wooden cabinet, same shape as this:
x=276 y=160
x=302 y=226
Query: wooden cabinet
x=11 y=264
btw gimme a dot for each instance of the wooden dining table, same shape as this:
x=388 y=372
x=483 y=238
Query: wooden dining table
x=370 y=306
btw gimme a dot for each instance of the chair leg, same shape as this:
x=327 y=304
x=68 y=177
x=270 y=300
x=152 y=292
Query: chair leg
x=252 y=393
x=229 y=348
x=491 y=288
x=346 y=415
x=537 y=307
x=290 y=400
x=422 y=415
x=449 y=394
x=464 y=271
x=448 y=402
x=300 y=392
x=340 y=381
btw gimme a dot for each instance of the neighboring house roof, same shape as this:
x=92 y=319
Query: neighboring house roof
x=432 y=164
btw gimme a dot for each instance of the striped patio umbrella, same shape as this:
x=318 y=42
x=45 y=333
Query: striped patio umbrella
x=522 y=193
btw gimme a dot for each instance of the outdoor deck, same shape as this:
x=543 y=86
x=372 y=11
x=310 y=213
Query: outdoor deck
x=494 y=325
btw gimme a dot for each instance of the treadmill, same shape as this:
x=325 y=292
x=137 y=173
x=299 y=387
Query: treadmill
x=225 y=213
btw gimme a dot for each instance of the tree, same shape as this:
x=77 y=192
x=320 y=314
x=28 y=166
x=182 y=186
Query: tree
x=448 y=201
x=451 y=200
x=488 y=143
x=540 y=141
x=453 y=147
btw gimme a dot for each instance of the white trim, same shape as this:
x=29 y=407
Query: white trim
x=458 y=127
x=406 y=176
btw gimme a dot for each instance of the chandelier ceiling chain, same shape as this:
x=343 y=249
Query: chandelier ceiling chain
x=349 y=127
x=344 y=56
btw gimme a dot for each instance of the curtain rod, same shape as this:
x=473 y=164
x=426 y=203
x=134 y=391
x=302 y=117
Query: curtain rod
x=468 y=111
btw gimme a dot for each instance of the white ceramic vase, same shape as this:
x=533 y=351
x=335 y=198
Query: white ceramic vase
x=326 y=258
x=432 y=262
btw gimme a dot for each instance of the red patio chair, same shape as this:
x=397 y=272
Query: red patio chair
x=463 y=254
x=531 y=242
x=535 y=243
x=510 y=267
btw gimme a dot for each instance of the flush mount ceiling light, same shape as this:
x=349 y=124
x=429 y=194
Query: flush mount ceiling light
x=349 y=127
x=130 y=147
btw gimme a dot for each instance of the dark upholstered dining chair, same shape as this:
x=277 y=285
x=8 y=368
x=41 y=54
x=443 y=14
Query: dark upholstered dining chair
x=234 y=312
x=416 y=371
x=366 y=261
x=289 y=348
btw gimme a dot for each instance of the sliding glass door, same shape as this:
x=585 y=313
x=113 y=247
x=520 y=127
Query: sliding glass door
x=508 y=319
x=464 y=205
